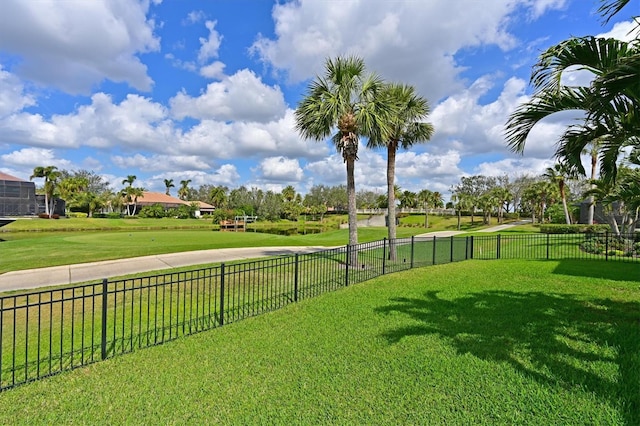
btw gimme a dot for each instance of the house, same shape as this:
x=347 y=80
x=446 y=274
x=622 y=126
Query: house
x=17 y=196
x=168 y=202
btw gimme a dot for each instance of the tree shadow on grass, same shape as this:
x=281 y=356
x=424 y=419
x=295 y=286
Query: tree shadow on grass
x=620 y=271
x=543 y=335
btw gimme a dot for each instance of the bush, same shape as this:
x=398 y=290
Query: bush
x=611 y=245
x=153 y=211
x=579 y=228
x=77 y=214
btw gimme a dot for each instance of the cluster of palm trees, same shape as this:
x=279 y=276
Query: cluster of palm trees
x=611 y=102
x=347 y=103
x=184 y=192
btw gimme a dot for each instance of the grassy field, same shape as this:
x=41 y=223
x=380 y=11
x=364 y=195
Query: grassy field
x=83 y=241
x=478 y=342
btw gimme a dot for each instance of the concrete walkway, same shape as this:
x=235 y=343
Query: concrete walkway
x=491 y=229
x=95 y=271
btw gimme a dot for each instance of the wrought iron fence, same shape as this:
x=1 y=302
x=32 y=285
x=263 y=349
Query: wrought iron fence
x=46 y=332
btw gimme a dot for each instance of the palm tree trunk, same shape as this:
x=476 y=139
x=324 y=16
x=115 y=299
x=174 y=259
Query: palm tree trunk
x=592 y=205
x=391 y=208
x=564 y=203
x=353 y=218
x=426 y=215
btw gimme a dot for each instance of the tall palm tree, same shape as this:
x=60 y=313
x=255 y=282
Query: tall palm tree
x=183 y=192
x=218 y=196
x=346 y=99
x=50 y=175
x=168 y=183
x=611 y=102
x=424 y=198
x=407 y=128
x=558 y=174
x=130 y=195
x=289 y=193
x=129 y=180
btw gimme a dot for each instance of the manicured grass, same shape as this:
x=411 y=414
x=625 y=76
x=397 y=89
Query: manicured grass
x=508 y=342
x=85 y=224
x=25 y=250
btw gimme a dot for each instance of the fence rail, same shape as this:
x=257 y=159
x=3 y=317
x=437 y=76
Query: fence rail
x=46 y=332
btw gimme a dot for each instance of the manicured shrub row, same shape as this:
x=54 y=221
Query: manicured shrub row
x=611 y=245
x=552 y=228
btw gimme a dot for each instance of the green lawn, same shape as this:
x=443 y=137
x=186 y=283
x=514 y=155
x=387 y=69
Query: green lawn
x=477 y=342
x=80 y=240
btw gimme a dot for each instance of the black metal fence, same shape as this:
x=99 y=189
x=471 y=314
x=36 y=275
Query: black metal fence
x=49 y=331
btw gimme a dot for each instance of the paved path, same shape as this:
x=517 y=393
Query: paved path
x=491 y=229
x=94 y=271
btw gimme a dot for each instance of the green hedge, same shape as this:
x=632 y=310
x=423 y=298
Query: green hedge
x=552 y=228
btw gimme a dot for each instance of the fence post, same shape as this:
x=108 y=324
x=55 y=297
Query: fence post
x=606 y=245
x=498 y=247
x=384 y=255
x=103 y=340
x=433 y=261
x=295 y=280
x=547 y=246
x=451 y=250
x=471 y=247
x=346 y=266
x=466 y=247
x=412 y=248
x=222 y=272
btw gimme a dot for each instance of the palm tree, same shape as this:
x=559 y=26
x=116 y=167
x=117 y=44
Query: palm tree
x=289 y=193
x=347 y=100
x=50 y=175
x=131 y=195
x=183 y=192
x=168 y=183
x=129 y=180
x=424 y=198
x=218 y=196
x=559 y=174
x=611 y=102
x=462 y=201
x=407 y=128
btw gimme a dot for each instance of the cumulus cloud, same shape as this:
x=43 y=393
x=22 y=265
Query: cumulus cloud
x=241 y=96
x=29 y=158
x=75 y=45
x=13 y=96
x=280 y=169
x=306 y=32
x=209 y=46
x=160 y=162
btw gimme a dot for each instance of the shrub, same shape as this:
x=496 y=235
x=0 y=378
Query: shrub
x=153 y=211
x=552 y=228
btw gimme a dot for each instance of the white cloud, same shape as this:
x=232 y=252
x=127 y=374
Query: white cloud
x=306 y=32
x=12 y=94
x=160 y=162
x=514 y=167
x=209 y=46
x=241 y=96
x=625 y=31
x=214 y=70
x=75 y=45
x=29 y=158
x=280 y=169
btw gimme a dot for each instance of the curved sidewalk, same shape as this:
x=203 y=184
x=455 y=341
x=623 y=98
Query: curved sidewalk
x=94 y=271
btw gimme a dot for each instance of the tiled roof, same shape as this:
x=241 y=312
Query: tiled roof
x=160 y=198
x=150 y=198
x=4 y=176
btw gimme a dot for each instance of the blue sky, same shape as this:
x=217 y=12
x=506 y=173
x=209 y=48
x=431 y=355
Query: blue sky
x=205 y=90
